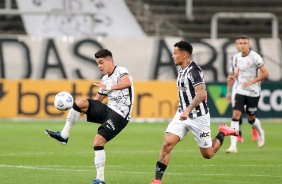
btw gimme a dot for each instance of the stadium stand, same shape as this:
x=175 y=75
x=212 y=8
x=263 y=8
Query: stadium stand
x=11 y=24
x=168 y=18
x=200 y=27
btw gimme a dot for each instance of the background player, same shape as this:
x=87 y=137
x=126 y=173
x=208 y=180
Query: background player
x=230 y=95
x=248 y=63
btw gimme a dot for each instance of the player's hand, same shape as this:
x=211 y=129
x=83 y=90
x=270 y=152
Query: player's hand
x=231 y=77
x=100 y=84
x=228 y=97
x=246 y=84
x=183 y=116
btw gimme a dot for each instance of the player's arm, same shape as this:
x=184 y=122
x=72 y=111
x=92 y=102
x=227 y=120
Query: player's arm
x=230 y=82
x=263 y=74
x=201 y=95
x=125 y=82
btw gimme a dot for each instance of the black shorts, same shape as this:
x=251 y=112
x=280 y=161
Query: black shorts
x=111 y=122
x=250 y=102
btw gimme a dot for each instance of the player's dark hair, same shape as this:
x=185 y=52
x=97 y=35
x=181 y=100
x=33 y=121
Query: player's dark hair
x=103 y=53
x=242 y=37
x=185 y=46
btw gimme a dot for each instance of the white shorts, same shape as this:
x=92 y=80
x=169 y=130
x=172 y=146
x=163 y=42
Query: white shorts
x=200 y=128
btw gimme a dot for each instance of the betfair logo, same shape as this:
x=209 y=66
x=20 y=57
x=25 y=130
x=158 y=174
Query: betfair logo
x=218 y=95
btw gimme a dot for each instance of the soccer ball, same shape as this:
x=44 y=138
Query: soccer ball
x=63 y=101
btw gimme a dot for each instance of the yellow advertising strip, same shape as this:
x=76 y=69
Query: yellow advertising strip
x=34 y=98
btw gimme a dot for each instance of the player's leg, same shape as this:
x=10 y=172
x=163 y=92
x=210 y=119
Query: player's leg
x=252 y=104
x=99 y=158
x=240 y=136
x=169 y=142
x=255 y=134
x=238 y=108
x=200 y=127
x=111 y=126
x=174 y=133
x=80 y=106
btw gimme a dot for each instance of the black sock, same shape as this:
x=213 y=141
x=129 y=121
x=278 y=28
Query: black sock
x=220 y=136
x=160 y=169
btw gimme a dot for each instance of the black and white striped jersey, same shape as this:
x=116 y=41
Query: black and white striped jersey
x=187 y=79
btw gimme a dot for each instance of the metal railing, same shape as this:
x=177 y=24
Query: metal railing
x=143 y=10
x=243 y=15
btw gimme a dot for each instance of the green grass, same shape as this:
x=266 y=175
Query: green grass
x=28 y=156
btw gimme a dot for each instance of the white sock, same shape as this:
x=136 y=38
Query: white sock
x=71 y=120
x=99 y=161
x=257 y=126
x=234 y=124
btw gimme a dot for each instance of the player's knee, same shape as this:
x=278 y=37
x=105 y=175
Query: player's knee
x=167 y=146
x=207 y=155
x=99 y=140
x=80 y=104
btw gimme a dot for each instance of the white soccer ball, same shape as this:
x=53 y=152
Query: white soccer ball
x=63 y=101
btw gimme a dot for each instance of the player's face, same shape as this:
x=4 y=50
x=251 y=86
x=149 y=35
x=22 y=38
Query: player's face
x=238 y=46
x=244 y=46
x=105 y=65
x=178 y=56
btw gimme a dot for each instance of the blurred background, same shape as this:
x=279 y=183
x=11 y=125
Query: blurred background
x=48 y=46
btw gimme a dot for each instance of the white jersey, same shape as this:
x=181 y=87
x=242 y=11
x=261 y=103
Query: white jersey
x=248 y=70
x=120 y=101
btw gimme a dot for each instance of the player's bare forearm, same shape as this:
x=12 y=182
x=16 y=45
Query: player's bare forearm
x=200 y=96
x=230 y=82
x=125 y=82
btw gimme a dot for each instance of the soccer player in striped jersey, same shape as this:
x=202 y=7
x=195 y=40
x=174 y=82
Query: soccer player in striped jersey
x=250 y=71
x=117 y=85
x=192 y=114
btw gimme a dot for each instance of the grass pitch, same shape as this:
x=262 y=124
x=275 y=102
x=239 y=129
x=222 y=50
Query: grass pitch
x=28 y=155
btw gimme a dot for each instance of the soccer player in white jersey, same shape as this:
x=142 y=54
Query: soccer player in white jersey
x=117 y=84
x=192 y=114
x=230 y=95
x=250 y=71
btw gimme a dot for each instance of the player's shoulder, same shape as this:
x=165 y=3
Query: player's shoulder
x=194 y=66
x=121 y=68
x=253 y=53
x=121 y=71
x=237 y=54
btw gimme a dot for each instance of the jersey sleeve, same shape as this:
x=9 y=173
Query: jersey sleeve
x=122 y=72
x=197 y=76
x=259 y=61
